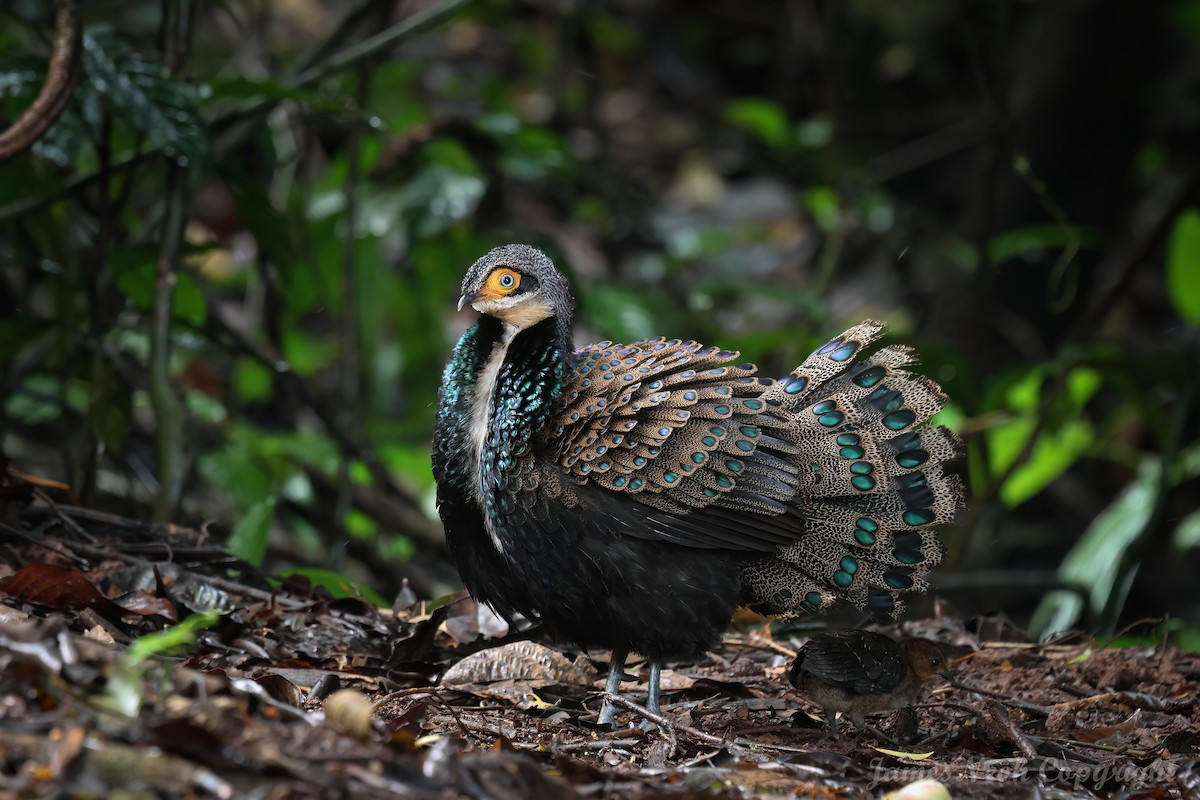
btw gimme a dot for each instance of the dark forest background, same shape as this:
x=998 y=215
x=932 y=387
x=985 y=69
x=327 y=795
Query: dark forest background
x=228 y=272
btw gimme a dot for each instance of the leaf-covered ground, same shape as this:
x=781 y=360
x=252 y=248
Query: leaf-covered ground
x=287 y=692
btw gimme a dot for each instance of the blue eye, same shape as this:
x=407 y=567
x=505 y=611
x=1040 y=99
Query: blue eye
x=507 y=280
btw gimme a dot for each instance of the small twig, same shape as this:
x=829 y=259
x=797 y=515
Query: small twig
x=1147 y=702
x=1107 y=748
x=672 y=728
x=1015 y=734
x=700 y=759
x=1007 y=699
x=596 y=744
x=75 y=527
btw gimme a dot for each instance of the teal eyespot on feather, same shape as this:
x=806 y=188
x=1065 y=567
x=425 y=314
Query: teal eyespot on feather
x=864 y=483
x=844 y=353
x=869 y=377
x=899 y=420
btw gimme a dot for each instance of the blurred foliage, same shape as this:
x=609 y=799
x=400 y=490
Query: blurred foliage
x=1012 y=186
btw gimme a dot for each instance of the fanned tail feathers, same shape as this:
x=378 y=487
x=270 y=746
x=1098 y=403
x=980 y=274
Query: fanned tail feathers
x=872 y=484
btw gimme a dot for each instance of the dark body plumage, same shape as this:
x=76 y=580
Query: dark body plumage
x=860 y=673
x=631 y=496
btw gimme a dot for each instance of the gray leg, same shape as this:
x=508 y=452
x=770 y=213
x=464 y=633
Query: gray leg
x=652 y=698
x=616 y=668
x=655 y=676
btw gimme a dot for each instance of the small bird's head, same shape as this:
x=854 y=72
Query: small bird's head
x=926 y=659
x=518 y=285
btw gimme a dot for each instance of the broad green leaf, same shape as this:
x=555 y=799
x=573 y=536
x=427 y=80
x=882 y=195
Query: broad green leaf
x=339 y=585
x=1183 y=266
x=1052 y=454
x=764 y=118
x=1057 y=446
x=249 y=537
x=1097 y=559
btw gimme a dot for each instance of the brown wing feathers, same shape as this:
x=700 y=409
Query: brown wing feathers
x=831 y=468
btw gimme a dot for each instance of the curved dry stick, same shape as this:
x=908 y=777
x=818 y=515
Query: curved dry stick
x=56 y=91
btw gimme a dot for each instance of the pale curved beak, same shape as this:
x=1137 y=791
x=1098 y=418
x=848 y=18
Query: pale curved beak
x=462 y=301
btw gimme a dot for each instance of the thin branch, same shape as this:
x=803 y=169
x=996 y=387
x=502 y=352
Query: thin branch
x=175 y=29
x=56 y=91
x=168 y=410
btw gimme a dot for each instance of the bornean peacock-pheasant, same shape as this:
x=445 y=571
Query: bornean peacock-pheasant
x=860 y=673
x=631 y=496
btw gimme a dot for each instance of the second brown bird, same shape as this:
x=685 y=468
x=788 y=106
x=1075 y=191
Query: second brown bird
x=859 y=673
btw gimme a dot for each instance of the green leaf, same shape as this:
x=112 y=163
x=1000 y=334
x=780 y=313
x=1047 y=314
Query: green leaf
x=763 y=118
x=1183 y=266
x=1039 y=238
x=360 y=525
x=339 y=585
x=1187 y=533
x=170 y=640
x=621 y=313
x=242 y=88
x=1056 y=448
x=249 y=538
x=35 y=402
x=824 y=204
x=118 y=79
x=251 y=380
x=1098 y=558
x=133 y=270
